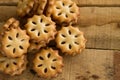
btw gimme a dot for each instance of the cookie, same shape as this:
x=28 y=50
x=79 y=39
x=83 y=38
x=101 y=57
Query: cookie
x=47 y=63
x=70 y=40
x=35 y=46
x=12 y=66
x=41 y=28
x=14 y=41
x=38 y=7
x=41 y=7
x=63 y=11
x=20 y=70
x=31 y=7
x=34 y=8
x=24 y=7
x=12 y=22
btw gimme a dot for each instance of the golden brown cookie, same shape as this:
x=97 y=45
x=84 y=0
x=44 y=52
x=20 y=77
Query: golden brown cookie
x=49 y=7
x=24 y=7
x=48 y=63
x=20 y=70
x=41 y=7
x=34 y=8
x=14 y=41
x=41 y=28
x=70 y=40
x=38 y=7
x=63 y=11
x=12 y=66
x=12 y=22
x=35 y=46
x=31 y=7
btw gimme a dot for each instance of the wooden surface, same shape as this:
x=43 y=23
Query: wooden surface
x=100 y=22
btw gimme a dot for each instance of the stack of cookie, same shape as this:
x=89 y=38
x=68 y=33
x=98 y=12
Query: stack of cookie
x=44 y=17
x=31 y=7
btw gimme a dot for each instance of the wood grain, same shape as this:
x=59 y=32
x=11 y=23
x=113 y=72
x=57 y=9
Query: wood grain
x=98 y=2
x=90 y=64
x=88 y=15
x=8 y=2
x=102 y=37
x=79 y=2
x=117 y=65
x=93 y=65
x=98 y=15
x=7 y=12
x=100 y=22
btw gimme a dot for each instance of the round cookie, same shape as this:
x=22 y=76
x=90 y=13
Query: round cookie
x=24 y=7
x=63 y=11
x=12 y=66
x=70 y=40
x=14 y=41
x=41 y=28
x=47 y=63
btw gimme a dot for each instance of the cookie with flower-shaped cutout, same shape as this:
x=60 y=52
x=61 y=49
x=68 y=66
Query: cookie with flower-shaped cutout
x=70 y=40
x=12 y=66
x=14 y=41
x=41 y=28
x=63 y=11
x=24 y=7
x=48 y=63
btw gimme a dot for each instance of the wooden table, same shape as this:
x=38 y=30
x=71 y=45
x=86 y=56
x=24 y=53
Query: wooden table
x=99 y=20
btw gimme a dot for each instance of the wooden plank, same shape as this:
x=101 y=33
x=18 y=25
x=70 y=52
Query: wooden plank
x=15 y=1
x=7 y=12
x=98 y=2
x=102 y=37
x=93 y=65
x=89 y=65
x=98 y=15
x=117 y=65
x=96 y=35
x=88 y=15
x=79 y=2
x=8 y=2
